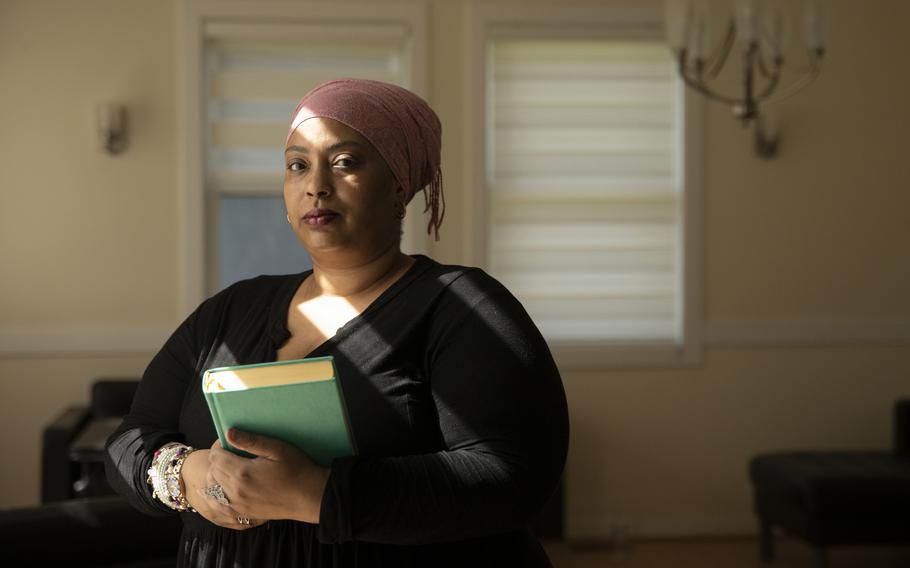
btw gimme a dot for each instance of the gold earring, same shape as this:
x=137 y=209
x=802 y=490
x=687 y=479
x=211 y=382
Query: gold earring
x=288 y=217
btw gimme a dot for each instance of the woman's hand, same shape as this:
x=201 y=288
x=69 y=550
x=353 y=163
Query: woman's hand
x=279 y=483
x=196 y=477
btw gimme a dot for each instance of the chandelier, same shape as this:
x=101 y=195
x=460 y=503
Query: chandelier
x=759 y=29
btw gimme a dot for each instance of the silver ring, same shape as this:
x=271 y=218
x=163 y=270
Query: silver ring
x=244 y=521
x=217 y=493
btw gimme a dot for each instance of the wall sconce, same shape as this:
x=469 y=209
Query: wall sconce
x=758 y=26
x=110 y=119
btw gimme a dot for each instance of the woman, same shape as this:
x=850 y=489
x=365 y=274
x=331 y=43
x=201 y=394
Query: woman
x=455 y=404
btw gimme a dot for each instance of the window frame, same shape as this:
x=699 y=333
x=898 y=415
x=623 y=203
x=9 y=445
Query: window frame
x=627 y=19
x=195 y=220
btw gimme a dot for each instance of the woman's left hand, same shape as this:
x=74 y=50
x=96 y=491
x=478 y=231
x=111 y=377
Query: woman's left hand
x=281 y=482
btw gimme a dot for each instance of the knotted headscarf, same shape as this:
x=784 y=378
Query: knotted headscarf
x=399 y=124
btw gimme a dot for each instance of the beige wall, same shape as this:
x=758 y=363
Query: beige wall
x=89 y=238
x=818 y=235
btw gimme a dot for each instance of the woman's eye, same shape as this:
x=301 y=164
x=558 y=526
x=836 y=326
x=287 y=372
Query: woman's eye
x=296 y=166
x=345 y=162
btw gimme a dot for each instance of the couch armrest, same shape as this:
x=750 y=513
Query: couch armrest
x=902 y=429
x=56 y=467
x=113 y=397
x=98 y=531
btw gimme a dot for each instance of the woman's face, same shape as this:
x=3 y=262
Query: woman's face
x=340 y=194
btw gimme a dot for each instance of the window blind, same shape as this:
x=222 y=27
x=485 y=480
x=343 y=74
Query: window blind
x=585 y=182
x=256 y=74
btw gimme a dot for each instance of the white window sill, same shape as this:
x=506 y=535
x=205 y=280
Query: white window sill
x=603 y=356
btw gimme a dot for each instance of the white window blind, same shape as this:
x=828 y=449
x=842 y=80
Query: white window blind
x=255 y=73
x=585 y=186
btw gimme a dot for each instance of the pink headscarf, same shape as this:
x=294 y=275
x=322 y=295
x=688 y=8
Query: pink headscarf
x=399 y=124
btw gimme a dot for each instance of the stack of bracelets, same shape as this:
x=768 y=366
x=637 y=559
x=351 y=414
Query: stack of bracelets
x=164 y=476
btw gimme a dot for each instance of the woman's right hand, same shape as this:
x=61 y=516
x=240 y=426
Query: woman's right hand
x=195 y=476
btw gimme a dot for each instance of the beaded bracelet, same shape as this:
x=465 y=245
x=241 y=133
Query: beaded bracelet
x=164 y=476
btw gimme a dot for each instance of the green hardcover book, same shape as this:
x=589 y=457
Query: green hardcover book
x=298 y=401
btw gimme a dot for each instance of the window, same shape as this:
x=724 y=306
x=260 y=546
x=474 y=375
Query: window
x=586 y=188
x=244 y=68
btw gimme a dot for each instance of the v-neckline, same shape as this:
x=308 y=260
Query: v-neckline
x=278 y=326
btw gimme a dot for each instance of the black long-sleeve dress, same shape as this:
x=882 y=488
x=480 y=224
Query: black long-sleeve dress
x=456 y=405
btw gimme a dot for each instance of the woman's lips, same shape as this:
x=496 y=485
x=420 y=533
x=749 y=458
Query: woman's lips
x=320 y=216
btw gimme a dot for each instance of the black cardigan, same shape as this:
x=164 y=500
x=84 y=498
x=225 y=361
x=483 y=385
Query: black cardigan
x=456 y=406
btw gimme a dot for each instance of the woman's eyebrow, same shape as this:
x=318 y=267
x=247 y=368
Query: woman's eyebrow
x=336 y=146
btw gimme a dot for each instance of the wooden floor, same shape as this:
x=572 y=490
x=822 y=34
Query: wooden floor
x=720 y=553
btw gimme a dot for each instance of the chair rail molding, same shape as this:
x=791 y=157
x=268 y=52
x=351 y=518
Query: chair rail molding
x=820 y=331
x=98 y=340
x=117 y=339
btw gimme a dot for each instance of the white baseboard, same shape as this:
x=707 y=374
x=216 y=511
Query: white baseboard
x=91 y=340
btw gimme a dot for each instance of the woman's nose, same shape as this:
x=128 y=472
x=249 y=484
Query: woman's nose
x=320 y=183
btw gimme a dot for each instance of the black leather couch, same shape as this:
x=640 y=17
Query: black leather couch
x=81 y=522
x=95 y=531
x=836 y=498
x=72 y=445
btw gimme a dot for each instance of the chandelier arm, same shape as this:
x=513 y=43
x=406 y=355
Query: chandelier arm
x=771 y=85
x=776 y=59
x=763 y=67
x=720 y=56
x=797 y=85
x=702 y=88
x=699 y=85
x=814 y=63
